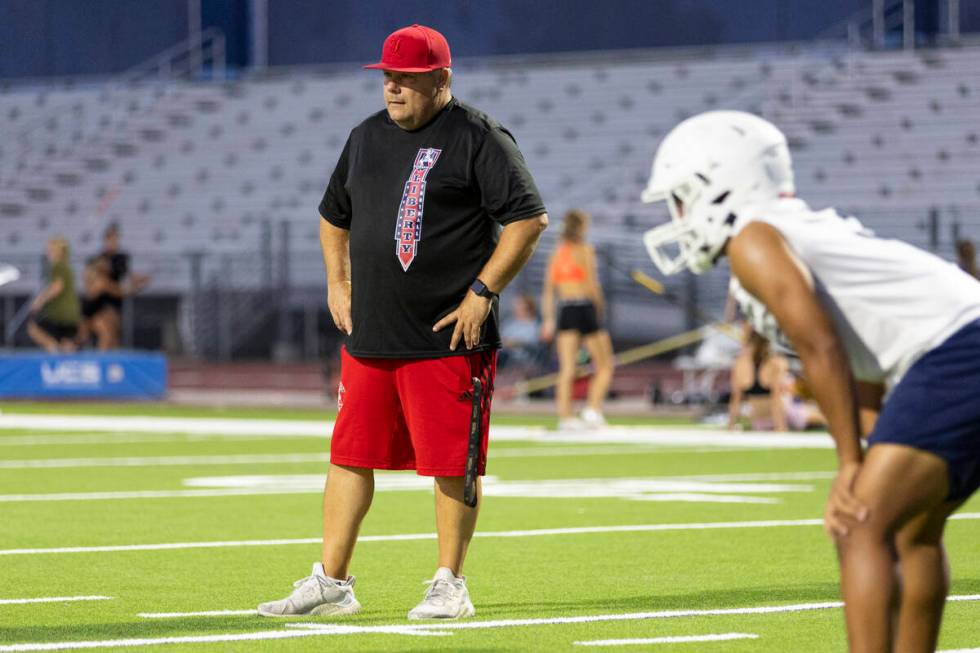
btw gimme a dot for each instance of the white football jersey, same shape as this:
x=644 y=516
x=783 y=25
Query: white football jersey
x=891 y=302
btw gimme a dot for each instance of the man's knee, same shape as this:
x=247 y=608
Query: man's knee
x=450 y=485
x=872 y=534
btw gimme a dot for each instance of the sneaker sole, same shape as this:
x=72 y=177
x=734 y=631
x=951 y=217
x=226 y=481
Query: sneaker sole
x=468 y=611
x=323 y=610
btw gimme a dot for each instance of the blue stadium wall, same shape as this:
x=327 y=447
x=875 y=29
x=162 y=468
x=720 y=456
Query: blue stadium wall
x=83 y=37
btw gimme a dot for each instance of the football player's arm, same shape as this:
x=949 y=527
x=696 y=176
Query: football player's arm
x=766 y=268
x=335 y=245
x=515 y=246
x=869 y=405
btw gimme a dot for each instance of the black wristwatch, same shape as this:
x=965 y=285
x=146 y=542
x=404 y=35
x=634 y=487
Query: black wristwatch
x=481 y=290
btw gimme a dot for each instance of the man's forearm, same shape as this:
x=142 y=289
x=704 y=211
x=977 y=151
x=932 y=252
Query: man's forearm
x=514 y=249
x=335 y=244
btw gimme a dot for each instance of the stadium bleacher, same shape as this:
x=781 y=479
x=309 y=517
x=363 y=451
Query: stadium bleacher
x=183 y=164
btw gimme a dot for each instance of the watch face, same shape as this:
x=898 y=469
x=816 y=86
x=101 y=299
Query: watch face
x=481 y=289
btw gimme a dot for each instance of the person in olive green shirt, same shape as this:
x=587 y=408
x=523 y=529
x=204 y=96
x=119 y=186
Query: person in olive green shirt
x=55 y=311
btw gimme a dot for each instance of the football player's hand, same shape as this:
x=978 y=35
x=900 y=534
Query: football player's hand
x=338 y=301
x=469 y=316
x=843 y=509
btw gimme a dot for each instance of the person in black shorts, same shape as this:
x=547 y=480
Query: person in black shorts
x=96 y=322
x=117 y=282
x=429 y=214
x=571 y=276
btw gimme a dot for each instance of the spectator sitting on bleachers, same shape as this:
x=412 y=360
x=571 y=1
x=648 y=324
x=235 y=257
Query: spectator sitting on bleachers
x=765 y=394
x=55 y=311
x=520 y=335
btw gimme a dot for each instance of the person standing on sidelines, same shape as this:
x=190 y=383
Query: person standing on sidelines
x=429 y=214
x=55 y=310
x=571 y=276
x=889 y=338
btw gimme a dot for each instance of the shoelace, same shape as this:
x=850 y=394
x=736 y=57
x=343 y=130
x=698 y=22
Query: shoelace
x=440 y=590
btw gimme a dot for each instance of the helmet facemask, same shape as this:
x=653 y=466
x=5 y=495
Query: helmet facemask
x=700 y=224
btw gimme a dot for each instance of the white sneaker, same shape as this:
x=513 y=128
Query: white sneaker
x=572 y=425
x=593 y=418
x=317 y=595
x=446 y=598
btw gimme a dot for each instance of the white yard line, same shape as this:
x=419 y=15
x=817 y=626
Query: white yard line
x=209 y=613
x=685 y=497
x=678 y=436
x=638 y=489
x=54 y=599
x=684 y=639
x=46 y=439
x=142 y=494
x=65 y=439
x=157 y=461
x=628 y=616
x=206 y=425
x=659 y=615
x=766 y=476
x=316 y=629
x=147 y=424
x=964 y=597
x=123 y=643
x=584 y=530
x=304 y=457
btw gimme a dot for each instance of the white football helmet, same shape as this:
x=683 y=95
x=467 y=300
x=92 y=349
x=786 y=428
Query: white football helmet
x=708 y=168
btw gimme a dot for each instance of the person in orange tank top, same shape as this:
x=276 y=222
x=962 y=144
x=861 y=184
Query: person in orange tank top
x=571 y=278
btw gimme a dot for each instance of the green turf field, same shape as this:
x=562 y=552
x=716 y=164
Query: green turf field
x=620 y=537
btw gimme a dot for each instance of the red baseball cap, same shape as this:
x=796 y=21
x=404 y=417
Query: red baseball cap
x=415 y=49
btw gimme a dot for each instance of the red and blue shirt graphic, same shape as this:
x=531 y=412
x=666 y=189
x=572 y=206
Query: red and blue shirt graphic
x=408 y=228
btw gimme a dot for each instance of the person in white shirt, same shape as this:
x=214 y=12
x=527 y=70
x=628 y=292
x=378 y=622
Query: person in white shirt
x=889 y=338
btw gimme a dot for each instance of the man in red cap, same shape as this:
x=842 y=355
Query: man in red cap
x=429 y=214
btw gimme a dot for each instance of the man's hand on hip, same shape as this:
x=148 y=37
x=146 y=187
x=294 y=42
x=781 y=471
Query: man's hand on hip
x=469 y=316
x=338 y=300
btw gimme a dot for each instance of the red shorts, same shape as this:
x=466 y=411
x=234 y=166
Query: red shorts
x=410 y=413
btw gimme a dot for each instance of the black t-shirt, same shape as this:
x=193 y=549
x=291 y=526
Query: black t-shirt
x=424 y=210
x=117 y=267
x=117 y=263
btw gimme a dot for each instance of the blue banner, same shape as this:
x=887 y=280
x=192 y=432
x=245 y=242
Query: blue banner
x=133 y=375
